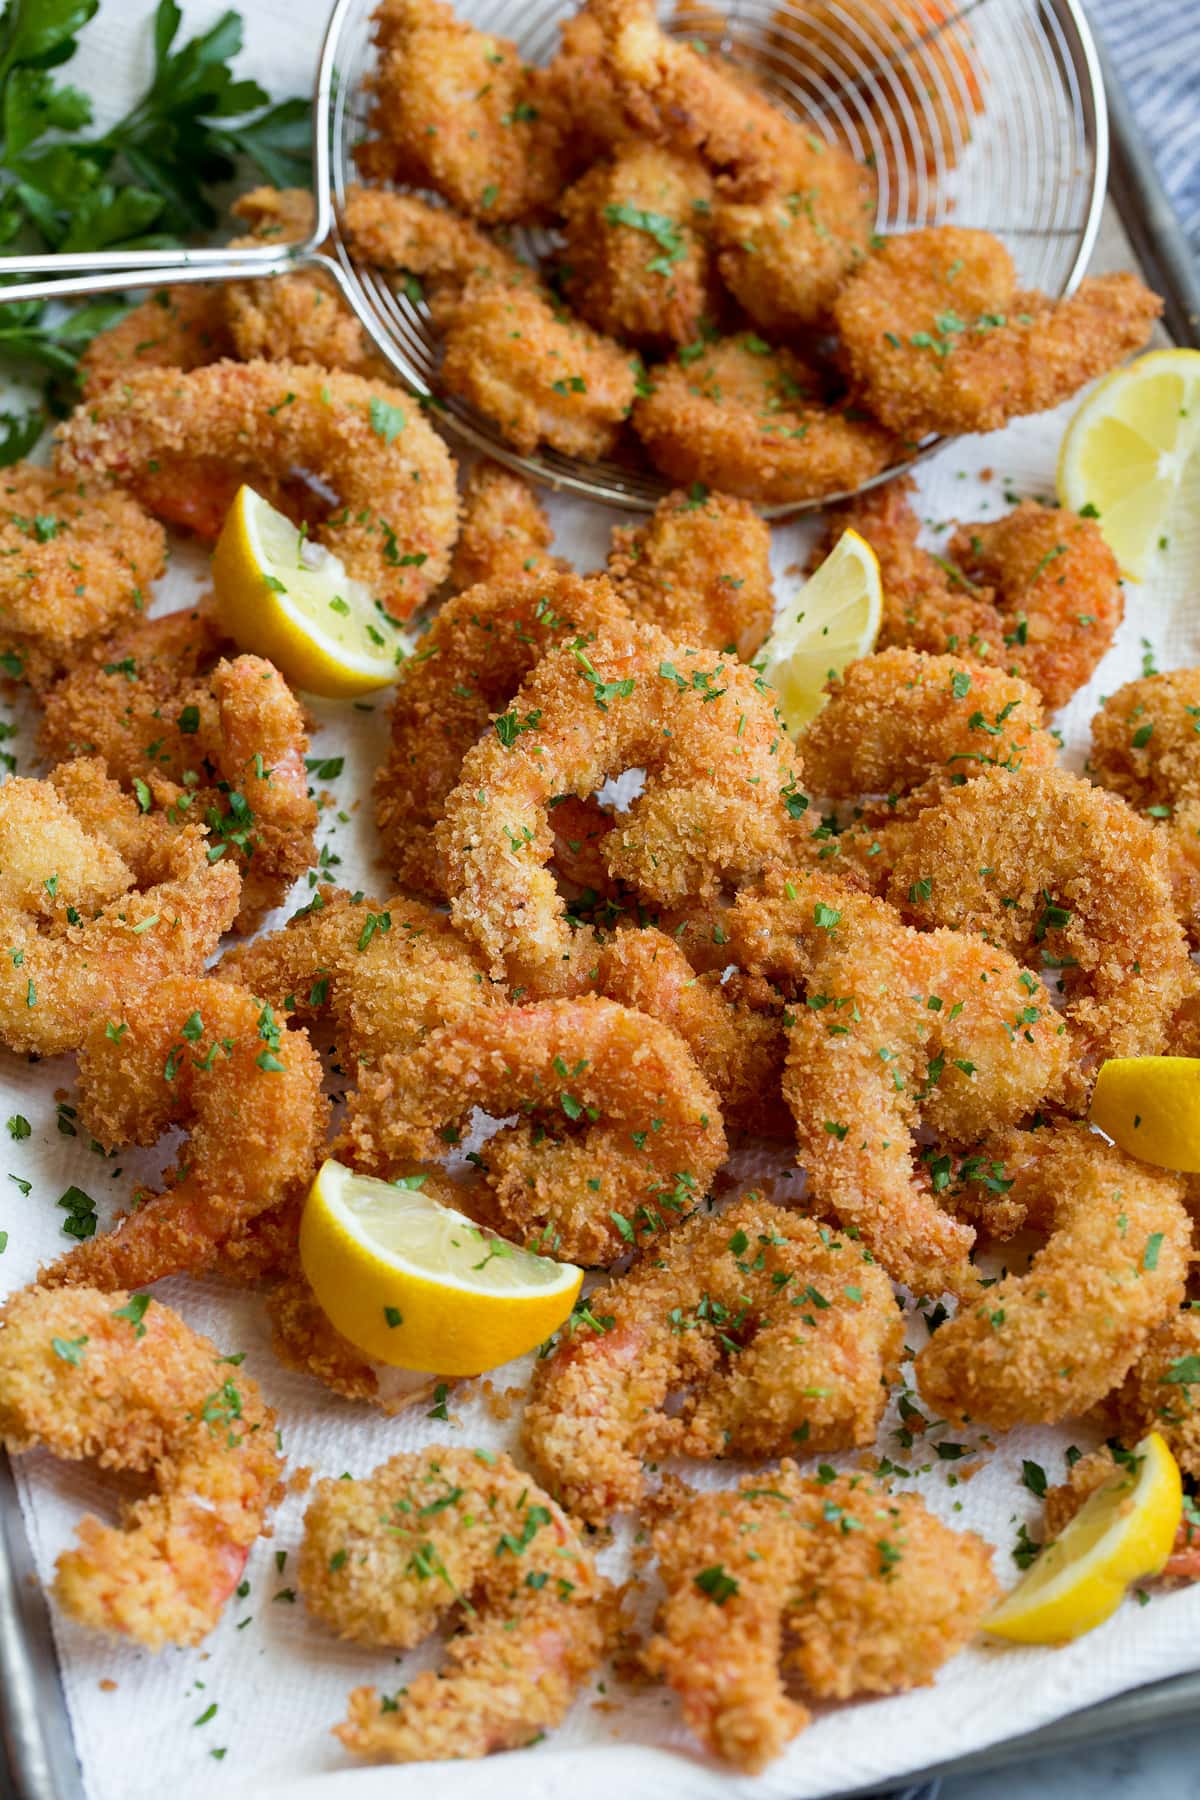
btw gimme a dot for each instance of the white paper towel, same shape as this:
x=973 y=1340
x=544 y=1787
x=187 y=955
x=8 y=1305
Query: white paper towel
x=276 y=1679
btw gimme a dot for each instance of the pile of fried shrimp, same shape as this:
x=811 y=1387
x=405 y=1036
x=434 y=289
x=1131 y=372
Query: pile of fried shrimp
x=888 y=958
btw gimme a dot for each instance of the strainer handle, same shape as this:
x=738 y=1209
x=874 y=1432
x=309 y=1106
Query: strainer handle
x=78 y=274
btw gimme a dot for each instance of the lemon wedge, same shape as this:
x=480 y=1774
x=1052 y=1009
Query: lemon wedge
x=416 y=1284
x=1126 y=449
x=1121 y=1534
x=1150 y=1107
x=282 y=597
x=833 y=620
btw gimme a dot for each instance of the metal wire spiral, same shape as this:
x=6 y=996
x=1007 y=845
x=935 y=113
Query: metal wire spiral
x=988 y=113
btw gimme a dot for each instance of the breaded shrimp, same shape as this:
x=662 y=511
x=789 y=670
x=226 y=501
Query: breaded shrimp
x=753 y=421
x=1096 y=1470
x=835 y=1582
x=404 y=233
x=97 y=904
x=1146 y=747
x=785 y=243
x=937 y=338
x=700 y=569
x=761 y=1329
x=579 y=78
x=462 y=1533
x=1048 y=1344
x=74 y=561
x=898 y=1029
x=224 y=749
x=1060 y=875
x=1161 y=1392
x=120 y=1380
x=184 y=443
x=388 y=972
x=505 y=532
x=456 y=109
x=180 y=328
x=619 y=1134
x=482 y=644
x=720 y=799
x=1035 y=593
x=636 y=250
x=208 y=1056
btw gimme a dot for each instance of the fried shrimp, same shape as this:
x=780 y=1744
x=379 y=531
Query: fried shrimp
x=445 y=1532
x=179 y=328
x=1035 y=593
x=1059 y=874
x=98 y=903
x=1048 y=1344
x=636 y=231
x=899 y=1029
x=408 y=235
x=223 y=749
x=119 y=1380
x=836 y=1583
x=184 y=443
x=74 y=560
x=456 y=109
x=481 y=646
x=387 y=971
x=786 y=245
x=505 y=532
x=737 y=1335
x=737 y=1041
x=720 y=799
x=1145 y=747
x=937 y=338
x=754 y=421
x=619 y=1134
x=700 y=569
x=208 y=1056
x=1161 y=1392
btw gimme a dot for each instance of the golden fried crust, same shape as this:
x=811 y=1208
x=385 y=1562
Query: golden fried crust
x=636 y=249
x=177 y=328
x=700 y=569
x=399 y=231
x=722 y=1311
x=1145 y=747
x=936 y=337
x=1043 y=1346
x=1161 y=1392
x=505 y=532
x=752 y=421
x=835 y=1582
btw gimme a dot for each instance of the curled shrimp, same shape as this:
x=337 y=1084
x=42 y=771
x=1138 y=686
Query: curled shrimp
x=98 y=903
x=1045 y=1345
x=210 y=1057
x=505 y=533
x=743 y=1334
x=937 y=338
x=1035 y=593
x=121 y=1380
x=898 y=1028
x=834 y=1585
x=1059 y=874
x=461 y=1533
x=388 y=972
x=178 y=328
x=620 y=1134
x=74 y=560
x=753 y=421
x=1145 y=747
x=720 y=799
x=700 y=569
x=481 y=646
x=185 y=442
x=220 y=745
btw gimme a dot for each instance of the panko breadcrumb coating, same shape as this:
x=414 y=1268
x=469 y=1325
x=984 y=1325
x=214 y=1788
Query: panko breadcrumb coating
x=774 y=1330
x=121 y=1380
x=700 y=569
x=1161 y=1392
x=833 y=1584
x=461 y=1533
x=505 y=532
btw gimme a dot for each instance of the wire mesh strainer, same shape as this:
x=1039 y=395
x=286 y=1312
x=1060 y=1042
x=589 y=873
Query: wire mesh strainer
x=990 y=113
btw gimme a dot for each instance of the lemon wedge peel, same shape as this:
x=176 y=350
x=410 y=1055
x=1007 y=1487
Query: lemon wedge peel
x=1123 y=1533
x=280 y=596
x=832 y=621
x=417 y=1285
x=1125 y=451
x=1150 y=1107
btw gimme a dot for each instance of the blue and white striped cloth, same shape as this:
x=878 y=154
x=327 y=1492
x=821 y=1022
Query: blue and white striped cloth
x=1155 y=45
